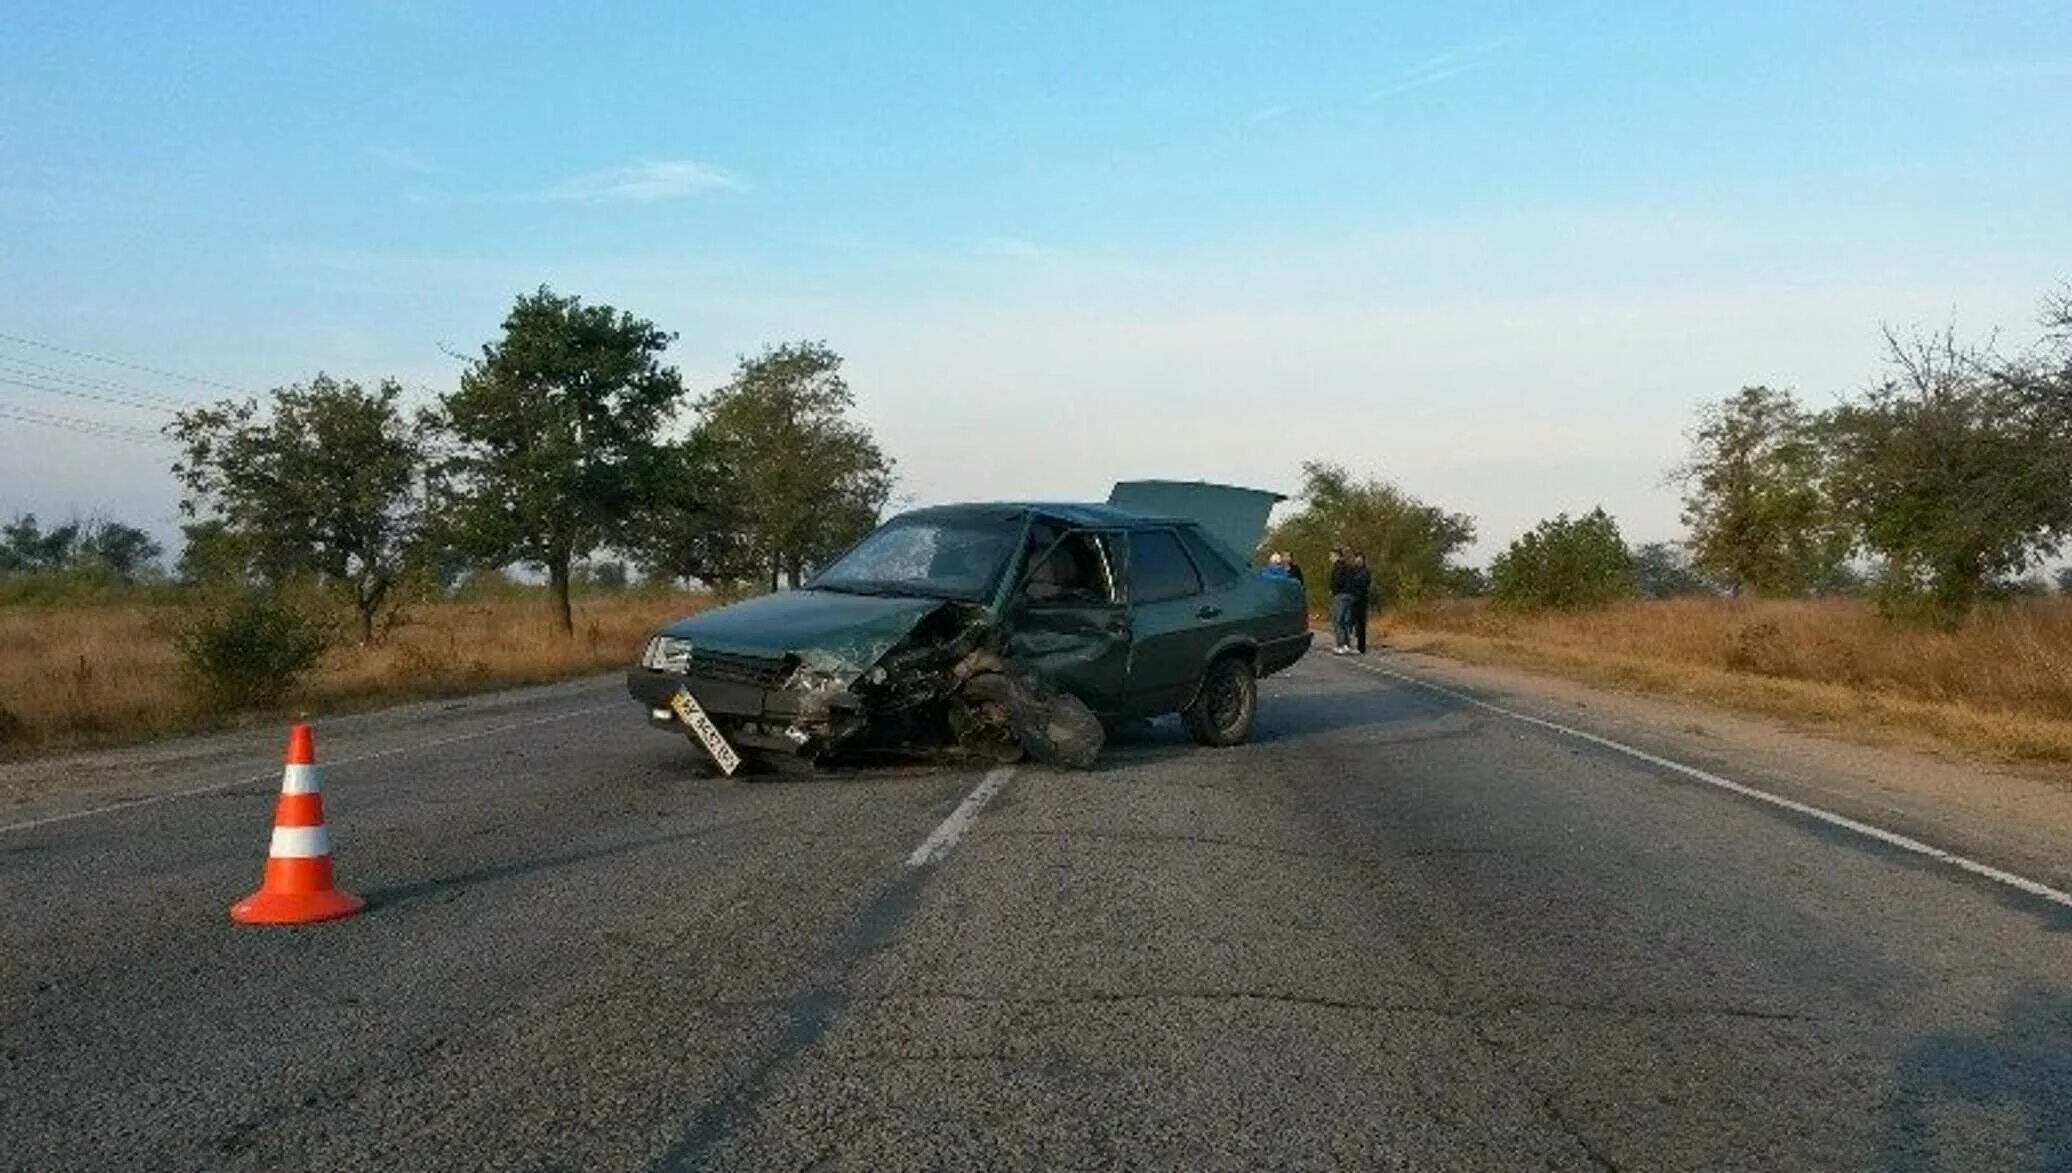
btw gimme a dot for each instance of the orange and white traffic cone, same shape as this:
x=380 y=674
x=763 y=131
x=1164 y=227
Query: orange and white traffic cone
x=297 y=888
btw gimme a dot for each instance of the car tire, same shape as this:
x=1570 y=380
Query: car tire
x=1224 y=710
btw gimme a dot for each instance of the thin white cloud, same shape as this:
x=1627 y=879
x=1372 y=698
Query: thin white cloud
x=405 y=159
x=1266 y=114
x=1439 y=67
x=647 y=183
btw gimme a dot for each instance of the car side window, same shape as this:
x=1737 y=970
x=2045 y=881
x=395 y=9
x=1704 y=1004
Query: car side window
x=1159 y=567
x=1216 y=572
x=1074 y=572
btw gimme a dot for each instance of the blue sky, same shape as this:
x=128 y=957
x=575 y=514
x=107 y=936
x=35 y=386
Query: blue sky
x=1494 y=252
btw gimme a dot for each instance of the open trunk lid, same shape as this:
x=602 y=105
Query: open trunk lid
x=1233 y=516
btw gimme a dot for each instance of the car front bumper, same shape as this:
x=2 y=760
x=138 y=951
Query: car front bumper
x=805 y=722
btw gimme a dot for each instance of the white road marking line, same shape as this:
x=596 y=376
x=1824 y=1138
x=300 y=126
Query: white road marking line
x=943 y=838
x=1891 y=838
x=215 y=787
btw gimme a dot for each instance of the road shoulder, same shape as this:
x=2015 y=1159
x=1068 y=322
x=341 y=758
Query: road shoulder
x=62 y=785
x=2019 y=820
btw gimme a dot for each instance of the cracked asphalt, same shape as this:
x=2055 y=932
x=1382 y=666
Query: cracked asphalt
x=1396 y=932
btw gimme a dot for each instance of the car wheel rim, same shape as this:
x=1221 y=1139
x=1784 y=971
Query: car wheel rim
x=1227 y=701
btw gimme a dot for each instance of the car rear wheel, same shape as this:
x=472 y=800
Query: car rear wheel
x=1223 y=712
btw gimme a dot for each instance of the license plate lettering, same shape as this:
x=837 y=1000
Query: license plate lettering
x=693 y=716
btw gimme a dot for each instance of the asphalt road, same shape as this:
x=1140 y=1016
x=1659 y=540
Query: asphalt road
x=1399 y=931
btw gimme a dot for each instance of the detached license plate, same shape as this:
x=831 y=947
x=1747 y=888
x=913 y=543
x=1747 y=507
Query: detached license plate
x=686 y=708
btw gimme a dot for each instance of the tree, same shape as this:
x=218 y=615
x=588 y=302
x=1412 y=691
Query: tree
x=1753 y=498
x=1661 y=570
x=694 y=524
x=27 y=548
x=1956 y=469
x=1408 y=543
x=329 y=481
x=97 y=548
x=1565 y=563
x=123 y=551
x=550 y=434
x=609 y=575
x=810 y=480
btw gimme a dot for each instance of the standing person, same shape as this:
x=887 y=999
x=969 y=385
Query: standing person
x=1294 y=568
x=1276 y=567
x=1341 y=604
x=1362 y=581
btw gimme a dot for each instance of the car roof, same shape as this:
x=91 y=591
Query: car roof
x=1074 y=513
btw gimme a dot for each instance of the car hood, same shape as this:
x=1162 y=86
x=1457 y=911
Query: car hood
x=833 y=628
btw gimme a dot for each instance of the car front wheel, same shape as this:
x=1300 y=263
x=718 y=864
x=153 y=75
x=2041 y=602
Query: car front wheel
x=1222 y=713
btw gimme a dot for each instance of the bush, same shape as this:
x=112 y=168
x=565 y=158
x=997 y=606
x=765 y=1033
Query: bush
x=250 y=649
x=1564 y=564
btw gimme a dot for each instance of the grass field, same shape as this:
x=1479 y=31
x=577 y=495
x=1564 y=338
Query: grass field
x=77 y=674
x=2000 y=685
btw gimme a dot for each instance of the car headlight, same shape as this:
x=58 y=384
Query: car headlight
x=667 y=653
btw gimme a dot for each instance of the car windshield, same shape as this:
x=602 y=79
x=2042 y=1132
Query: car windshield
x=946 y=558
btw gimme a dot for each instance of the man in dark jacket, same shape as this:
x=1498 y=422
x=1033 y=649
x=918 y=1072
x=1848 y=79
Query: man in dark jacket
x=1361 y=579
x=1341 y=604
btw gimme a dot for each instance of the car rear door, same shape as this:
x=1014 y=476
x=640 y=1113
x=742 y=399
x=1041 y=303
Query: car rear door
x=1172 y=620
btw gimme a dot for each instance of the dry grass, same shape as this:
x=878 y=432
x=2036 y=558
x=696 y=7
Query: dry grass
x=83 y=674
x=2001 y=684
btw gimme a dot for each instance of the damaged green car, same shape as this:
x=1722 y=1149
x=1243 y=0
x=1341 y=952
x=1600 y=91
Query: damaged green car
x=994 y=630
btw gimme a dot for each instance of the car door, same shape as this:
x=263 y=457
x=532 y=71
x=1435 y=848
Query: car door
x=1173 y=623
x=1067 y=619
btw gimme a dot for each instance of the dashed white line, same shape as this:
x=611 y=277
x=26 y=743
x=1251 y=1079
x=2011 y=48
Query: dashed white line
x=215 y=787
x=1890 y=838
x=952 y=829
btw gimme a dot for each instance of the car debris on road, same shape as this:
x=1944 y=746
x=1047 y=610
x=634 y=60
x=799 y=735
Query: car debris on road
x=995 y=631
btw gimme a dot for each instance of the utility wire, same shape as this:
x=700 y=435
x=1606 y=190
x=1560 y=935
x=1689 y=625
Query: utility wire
x=116 y=362
x=84 y=427
x=114 y=400
x=80 y=421
x=31 y=369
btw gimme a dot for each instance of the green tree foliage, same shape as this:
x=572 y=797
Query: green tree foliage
x=329 y=481
x=552 y=435
x=95 y=560
x=1565 y=563
x=810 y=480
x=1753 y=497
x=27 y=548
x=1408 y=543
x=1956 y=469
x=605 y=576
x=695 y=523
x=248 y=647
x=1661 y=570
x=124 y=551
x=107 y=550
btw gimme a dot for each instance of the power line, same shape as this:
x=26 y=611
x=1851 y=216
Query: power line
x=40 y=415
x=117 y=401
x=84 y=427
x=31 y=369
x=116 y=362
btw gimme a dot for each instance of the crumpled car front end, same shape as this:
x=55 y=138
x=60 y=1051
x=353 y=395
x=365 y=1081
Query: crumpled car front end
x=762 y=704
x=937 y=687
